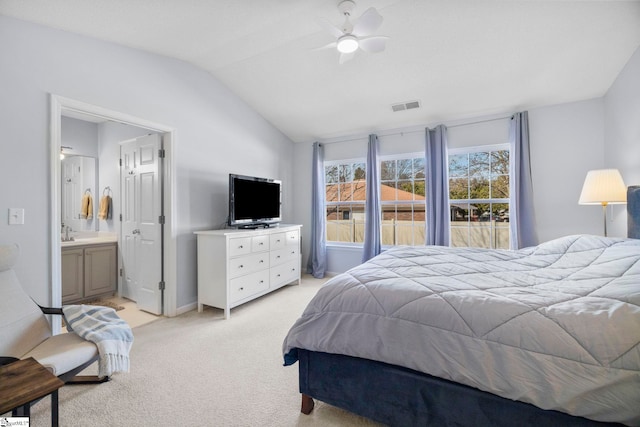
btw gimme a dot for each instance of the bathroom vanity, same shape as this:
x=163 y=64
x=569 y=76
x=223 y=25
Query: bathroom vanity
x=89 y=269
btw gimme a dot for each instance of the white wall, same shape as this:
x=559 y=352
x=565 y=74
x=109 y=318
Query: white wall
x=217 y=133
x=80 y=135
x=622 y=132
x=566 y=142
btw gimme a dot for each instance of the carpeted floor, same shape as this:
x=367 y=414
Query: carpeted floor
x=201 y=370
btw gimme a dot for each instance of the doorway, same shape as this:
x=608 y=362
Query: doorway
x=66 y=107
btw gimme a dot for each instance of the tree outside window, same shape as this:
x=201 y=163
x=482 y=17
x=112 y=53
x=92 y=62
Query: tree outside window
x=402 y=194
x=479 y=197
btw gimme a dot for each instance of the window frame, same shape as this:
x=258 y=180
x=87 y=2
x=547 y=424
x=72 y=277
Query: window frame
x=480 y=149
x=339 y=162
x=404 y=156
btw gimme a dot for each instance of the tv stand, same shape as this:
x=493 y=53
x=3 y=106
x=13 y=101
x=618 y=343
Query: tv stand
x=236 y=265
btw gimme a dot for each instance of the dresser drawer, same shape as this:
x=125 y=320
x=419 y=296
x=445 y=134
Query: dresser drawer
x=260 y=243
x=248 y=264
x=277 y=240
x=239 y=246
x=285 y=273
x=246 y=286
x=293 y=237
x=283 y=255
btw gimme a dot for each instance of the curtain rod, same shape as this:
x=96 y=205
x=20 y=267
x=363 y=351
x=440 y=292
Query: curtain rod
x=419 y=130
x=481 y=121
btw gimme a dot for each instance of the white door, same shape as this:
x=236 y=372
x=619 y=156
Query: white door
x=141 y=227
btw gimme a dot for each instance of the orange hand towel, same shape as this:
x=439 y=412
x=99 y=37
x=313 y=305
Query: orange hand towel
x=86 y=207
x=105 y=208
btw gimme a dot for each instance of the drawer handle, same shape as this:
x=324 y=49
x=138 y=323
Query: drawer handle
x=240 y=247
x=278 y=275
x=261 y=261
x=261 y=243
x=293 y=269
x=241 y=266
x=242 y=289
x=261 y=281
x=278 y=241
x=278 y=257
x=293 y=252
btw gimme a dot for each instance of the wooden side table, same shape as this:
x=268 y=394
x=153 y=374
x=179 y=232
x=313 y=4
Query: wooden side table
x=25 y=381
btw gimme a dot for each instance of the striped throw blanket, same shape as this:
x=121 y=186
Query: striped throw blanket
x=102 y=326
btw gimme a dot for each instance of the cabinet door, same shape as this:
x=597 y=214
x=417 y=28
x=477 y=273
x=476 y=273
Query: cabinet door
x=72 y=275
x=100 y=270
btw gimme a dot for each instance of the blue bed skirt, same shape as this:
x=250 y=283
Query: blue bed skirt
x=397 y=396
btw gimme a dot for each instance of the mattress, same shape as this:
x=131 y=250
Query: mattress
x=556 y=325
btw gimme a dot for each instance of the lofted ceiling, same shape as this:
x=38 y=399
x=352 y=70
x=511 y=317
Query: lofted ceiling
x=459 y=59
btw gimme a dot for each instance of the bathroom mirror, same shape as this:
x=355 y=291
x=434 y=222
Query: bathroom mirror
x=78 y=196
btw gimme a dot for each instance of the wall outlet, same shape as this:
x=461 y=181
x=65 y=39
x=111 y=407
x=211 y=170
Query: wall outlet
x=16 y=216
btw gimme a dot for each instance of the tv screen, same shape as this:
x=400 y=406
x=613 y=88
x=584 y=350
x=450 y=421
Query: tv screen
x=253 y=201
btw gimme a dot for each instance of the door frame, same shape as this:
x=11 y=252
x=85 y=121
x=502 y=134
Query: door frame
x=58 y=104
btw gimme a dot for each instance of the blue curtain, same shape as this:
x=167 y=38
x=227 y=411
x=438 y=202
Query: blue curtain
x=437 y=186
x=317 y=264
x=521 y=214
x=372 y=213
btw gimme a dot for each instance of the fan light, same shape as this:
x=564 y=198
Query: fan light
x=347 y=44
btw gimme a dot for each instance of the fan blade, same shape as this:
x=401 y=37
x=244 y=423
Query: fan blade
x=373 y=44
x=329 y=27
x=344 y=57
x=327 y=46
x=368 y=23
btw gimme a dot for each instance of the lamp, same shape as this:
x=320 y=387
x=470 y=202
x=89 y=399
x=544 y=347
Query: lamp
x=62 y=148
x=347 y=44
x=603 y=187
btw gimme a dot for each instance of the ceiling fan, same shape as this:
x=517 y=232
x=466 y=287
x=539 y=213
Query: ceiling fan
x=357 y=35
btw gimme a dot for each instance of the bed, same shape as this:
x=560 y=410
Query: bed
x=548 y=335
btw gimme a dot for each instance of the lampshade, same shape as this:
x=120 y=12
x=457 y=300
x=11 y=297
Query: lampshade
x=602 y=187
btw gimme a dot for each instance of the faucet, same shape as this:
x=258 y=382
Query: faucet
x=66 y=238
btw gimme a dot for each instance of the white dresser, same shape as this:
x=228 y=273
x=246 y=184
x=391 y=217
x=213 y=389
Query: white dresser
x=236 y=266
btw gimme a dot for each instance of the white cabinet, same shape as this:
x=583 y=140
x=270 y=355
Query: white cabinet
x=237 y=266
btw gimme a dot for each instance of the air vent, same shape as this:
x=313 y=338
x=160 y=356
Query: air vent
x=405 y=106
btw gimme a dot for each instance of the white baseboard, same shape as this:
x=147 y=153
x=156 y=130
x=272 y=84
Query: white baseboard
x=185 y=308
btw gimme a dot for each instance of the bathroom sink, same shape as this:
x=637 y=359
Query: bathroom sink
x=73 y=241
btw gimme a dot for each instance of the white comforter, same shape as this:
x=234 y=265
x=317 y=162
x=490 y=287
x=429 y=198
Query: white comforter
x=557 y=325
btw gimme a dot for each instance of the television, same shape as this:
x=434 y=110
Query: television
x=254 y=202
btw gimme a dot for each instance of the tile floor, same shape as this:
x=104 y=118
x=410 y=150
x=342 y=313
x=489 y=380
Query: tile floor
x=131 y=314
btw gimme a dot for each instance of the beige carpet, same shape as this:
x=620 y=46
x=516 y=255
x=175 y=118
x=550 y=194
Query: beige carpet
x=200 y=370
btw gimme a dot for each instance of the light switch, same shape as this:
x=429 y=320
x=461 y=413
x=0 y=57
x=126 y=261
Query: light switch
x=16 y=216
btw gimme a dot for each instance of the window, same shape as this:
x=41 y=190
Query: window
x=479 y=197
x=344 y=197
x=402 y=196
